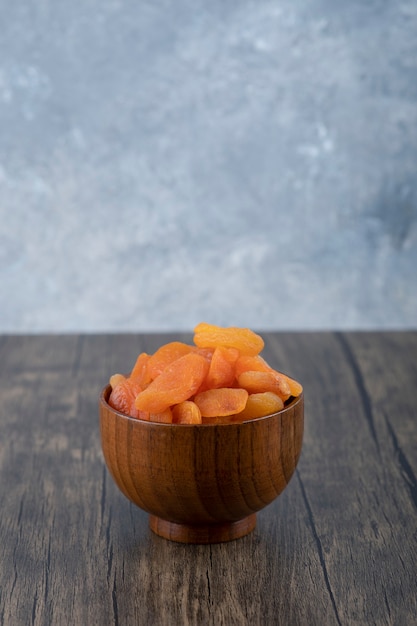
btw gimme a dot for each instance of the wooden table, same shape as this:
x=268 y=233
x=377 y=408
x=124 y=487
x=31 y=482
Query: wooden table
x=339 y=546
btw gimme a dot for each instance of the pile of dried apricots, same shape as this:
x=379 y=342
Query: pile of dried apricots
x=221 y=378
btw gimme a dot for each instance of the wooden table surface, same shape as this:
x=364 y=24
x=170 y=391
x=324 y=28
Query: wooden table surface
x=339 y=546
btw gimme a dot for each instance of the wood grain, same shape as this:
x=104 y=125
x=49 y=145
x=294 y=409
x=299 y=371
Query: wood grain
x=337 y=547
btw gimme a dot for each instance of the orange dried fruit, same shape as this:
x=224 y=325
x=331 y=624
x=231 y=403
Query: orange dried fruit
x=186 y=412
x=229 y=354
x=123 y=396
x=164 y=417
x=222 y=369
x=207 y=353
x=165 y=355
x=178 y=382
x=260 y=404
x=244 y=339
x=116 y=379
x=220 y=402
x=257 y=363
x=139 y=372
x=251 y=363
x=258 y=382
x=221 y=378
x=223 y=419
x=295 y=388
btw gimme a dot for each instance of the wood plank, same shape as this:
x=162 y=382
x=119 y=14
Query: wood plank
x=388 y=362
x=365 y=529
x=338 y=547
x=93 y=537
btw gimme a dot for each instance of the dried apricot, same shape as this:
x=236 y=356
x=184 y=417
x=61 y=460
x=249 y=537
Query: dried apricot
x=116 y=379
x=139 y=372
x=207 y=353
x=222 y=369
x=221 y=378
x=260 y=404
x=244 y=339
x=258 y=382
x=251 y=363
x=164 y=417
x=219 y=402
x=165 y=355
x=178 y=382
x=257 y=363
x=186 y=412
x=295 y=388
x=123 y=396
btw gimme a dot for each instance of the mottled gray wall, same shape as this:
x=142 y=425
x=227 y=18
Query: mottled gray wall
x=238 y=162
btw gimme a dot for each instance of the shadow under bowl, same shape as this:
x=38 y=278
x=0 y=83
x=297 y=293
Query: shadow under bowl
x=202 y=483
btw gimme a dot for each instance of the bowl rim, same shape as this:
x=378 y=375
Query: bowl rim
x=105 y=392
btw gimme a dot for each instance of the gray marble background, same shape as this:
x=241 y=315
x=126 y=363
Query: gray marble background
x=238 y=162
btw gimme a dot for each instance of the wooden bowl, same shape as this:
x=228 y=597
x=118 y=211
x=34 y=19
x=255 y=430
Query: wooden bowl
x=202 y=483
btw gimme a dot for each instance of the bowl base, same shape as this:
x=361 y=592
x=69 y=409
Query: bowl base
x=202 y=533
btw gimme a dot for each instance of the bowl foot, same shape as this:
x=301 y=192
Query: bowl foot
x=202 y=533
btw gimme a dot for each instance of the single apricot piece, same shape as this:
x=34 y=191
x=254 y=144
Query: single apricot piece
x=258 y=382
x=123 y=396
x=261 y=404
x=186 y=412
x=244 y=339
x=296 y=388
x=142 y=415
x=178 y=382
x=207 y=353
x=251 y=363
x=223 y=419
x=219 y=402
x=221 y=371
x=139 y=372
x=164 y=417
x=230 y=354
x=165 y=355
x=116 y=379
x=257 y=363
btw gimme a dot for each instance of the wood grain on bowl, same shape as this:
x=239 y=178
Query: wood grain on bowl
x=202 y=483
